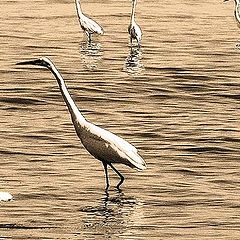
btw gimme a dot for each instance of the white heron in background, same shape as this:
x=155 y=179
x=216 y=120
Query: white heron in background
x=133 y=29
x=5 y=196
x=102 y=144
x=237 y=11
x=87 y=24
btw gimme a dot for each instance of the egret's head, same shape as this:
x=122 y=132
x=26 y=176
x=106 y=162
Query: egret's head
x=44 y=61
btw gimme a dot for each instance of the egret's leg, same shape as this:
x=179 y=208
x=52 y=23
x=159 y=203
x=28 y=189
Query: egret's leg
x=131 y=41
x=139 y=44
x=119 y=174
x=89 y=36
x=106 y=174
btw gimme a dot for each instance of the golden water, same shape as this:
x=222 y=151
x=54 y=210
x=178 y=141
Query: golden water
x=177 y=101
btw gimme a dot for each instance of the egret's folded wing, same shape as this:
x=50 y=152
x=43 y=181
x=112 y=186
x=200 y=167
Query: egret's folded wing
x=122 y=147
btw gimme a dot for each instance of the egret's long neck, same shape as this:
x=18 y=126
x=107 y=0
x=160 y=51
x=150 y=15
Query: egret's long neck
x=133 y=10
x=72 y=107
x=79 y=9
x=237 y=16
x=237 y=3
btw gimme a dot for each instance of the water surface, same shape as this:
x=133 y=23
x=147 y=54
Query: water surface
x=176 y=100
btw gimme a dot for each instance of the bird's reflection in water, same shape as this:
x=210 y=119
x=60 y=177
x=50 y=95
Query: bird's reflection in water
x=133 y=61
x=112 y=214
x=91 y=54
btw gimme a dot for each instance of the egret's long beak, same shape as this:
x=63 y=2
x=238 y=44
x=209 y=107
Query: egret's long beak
x=32 y=62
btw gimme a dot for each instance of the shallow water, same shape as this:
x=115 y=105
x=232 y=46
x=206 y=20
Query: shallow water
x=176 y=100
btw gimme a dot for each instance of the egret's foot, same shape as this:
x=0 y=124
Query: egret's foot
x=119 y=190
x=107 y=188
x=120 y=183
x=107 y=195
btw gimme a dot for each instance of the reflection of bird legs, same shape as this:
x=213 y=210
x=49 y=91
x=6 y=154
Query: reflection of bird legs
x=116 y=200
x=132 y=51
x=116 y=171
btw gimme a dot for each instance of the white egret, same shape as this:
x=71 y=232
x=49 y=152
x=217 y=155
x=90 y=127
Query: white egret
x=87 y=24
x=237 y=11
x=102 y=144
x=5 y=196
x=133 y=29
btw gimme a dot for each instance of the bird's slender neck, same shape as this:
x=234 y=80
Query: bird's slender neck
x=72 y=107
x=134 y=2
x=78 y=7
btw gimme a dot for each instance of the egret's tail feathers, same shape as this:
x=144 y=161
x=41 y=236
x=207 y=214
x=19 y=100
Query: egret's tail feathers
x=99 y=30
x=137 y=161
x=141 y=167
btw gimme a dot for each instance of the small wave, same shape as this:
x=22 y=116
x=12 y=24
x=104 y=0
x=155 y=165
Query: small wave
x=167 y=69
x=8 y=152
x=22 y=101
x=16 y=226
x=162 y=96
x=150 y=135
x=192 y=77
x=186 y=171
x=230 y=96
x=231 y=139
x=208 y=149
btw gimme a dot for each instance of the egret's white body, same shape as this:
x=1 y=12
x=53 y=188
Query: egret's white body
x=87 y=24
x=133 y=29
x=5 y=196
x=102 y=144
x=237 y=11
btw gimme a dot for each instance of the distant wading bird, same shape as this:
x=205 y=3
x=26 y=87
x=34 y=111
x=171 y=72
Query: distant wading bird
x=87 y=24
x=133 y=29
x=5 y=196
x=102 y=144
x=237 y=11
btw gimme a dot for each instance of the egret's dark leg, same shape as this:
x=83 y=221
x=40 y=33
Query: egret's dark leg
x=131 y=41
x=132 y=52
x=139 y=44
x=106 y=174
x=89 y=37
x=119 y=174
